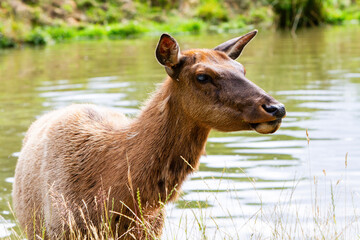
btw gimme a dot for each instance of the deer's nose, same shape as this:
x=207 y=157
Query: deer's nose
x=277 y=110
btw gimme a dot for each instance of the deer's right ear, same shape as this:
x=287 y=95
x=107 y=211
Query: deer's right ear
x=234 y=47
x=167 y=51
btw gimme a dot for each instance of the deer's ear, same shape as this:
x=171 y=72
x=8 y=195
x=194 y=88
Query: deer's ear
x=167 y=51
x=234 y=47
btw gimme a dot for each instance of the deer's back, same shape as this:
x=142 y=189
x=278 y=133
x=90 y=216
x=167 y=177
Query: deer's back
x=62 y=153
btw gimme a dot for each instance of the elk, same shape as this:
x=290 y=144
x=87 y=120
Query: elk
x=74 y=158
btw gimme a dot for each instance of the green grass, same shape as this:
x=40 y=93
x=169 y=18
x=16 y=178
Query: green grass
x=212 y=11
x=43 y=36
x=284 y=219
x=6 y=42
x=41 y=23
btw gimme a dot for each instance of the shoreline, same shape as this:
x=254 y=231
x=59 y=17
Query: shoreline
x=35 y=23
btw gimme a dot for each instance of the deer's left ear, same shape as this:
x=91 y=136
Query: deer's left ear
x=234 y=47
x=167 y=51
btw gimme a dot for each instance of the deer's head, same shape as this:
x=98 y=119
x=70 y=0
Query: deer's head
x=211 y=87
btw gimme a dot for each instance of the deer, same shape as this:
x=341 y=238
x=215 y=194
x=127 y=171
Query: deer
x=76 y=159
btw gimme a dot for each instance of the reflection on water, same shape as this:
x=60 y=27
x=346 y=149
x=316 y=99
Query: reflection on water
x=248 y=184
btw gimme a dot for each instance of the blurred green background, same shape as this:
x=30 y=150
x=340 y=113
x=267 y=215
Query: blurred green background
x=40 y=22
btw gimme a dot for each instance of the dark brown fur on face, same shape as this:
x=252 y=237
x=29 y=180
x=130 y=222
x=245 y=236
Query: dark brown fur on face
x=81 y=161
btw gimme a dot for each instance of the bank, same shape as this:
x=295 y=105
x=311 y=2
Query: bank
x=39 y=22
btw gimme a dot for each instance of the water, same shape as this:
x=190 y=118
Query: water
x=249 y=185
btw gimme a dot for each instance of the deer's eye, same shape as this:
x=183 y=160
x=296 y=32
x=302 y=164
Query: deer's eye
x=203 y=78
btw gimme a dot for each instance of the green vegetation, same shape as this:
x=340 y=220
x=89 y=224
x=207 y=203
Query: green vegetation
x=39 y=22
x=299 y=13
x=285 y=219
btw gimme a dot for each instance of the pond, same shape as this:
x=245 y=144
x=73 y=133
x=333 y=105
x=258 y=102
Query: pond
x=249 y=186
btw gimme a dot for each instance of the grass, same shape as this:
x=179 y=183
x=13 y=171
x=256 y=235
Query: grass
x=286 y=218
x=41 y=23
x=131 y=29
x=87 y=229
x=43 y=36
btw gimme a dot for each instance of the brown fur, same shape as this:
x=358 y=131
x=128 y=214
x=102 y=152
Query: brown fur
x=83 y=156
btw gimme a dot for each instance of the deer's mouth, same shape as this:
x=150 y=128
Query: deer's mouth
x=266 y=127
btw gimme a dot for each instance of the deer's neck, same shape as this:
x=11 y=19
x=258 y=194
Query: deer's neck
x=165 y=144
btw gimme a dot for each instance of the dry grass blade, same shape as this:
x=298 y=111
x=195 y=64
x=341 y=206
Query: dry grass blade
x=307 y=136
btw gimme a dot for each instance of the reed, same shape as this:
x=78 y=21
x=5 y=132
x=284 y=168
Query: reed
x=285 y=219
